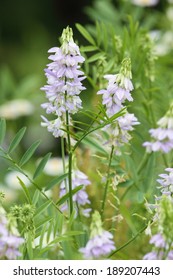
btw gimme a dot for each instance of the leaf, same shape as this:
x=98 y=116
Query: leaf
x=50 y=230
x=15 y=168
x=96 y=57
x=29 y=247
x=43 y=231
x=42 y=208
x=16 y=140
x=66 y=236
x=42 y=222
x=56 y=181
x=85 y=33
x=59 y=221
x=66 y=196
x=148 y=174
x=2 y=130
x=128 y=218
x=41 y=165
x=88 y=48
x=28 y=154
x=126 y=184
x=35 y=197
x=25 y=190
x=94 y=144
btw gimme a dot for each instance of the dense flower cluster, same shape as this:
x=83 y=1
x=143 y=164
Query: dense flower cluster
x=162 y=135
x=163 y=241
x=118 y=91
x=9 y=242
x=160 y=249
x=100 y=242
x=81 y=196
x=64 y=84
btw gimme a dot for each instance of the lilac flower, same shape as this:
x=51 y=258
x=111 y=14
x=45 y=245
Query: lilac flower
x=127 y=122
x=162 y=136
x=118 y=91
x=98 y=246
x=115 y=95
x=158 y=241
x=161 y=249
x=100 y=242
x=163 y=217
x=81 y=196
x=64 y=84
x=9 y=243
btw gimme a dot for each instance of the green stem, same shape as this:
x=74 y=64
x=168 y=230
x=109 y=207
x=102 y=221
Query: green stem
x=128 y=242
x=63 y=161
x=70 y=153
x=143 y=162
x=63 y=154
x=107 y=181
x=165 y=160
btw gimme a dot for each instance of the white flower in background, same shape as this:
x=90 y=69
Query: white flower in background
x=12 y=181
x=163 y=42
x=10 y=194
x=16 y=108
x=145 y=3
x=54 y=167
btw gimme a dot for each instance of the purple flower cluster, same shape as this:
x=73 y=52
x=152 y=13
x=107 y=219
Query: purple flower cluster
x=166 y=182
x=9 y=243
x=163 y=241
x=162 y=136
x=64 y=83
x=100 y=245
x=100 y=242
x=116 y=94
x=81 y=196
x=118 y=91
x=161 y=249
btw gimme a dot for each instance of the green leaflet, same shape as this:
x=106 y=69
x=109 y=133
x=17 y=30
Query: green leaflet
x=96 y=57
x=29 y=246
x=56 y=181
x=2 y=130
x=41 y=222
x=25 y=190
x=89 y=48
x=16 y=140
x=66 y=196
x=42 y=208
x=94 y=144
x=85 y=33
x=28 y=154
x=41 y=165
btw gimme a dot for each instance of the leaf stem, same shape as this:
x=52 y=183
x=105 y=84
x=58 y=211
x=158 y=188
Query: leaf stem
x=107 y=182
x=128 y=242
x=70 y=161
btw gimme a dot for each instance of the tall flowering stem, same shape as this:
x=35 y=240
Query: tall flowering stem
x=62 y=91
x=118 y=91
